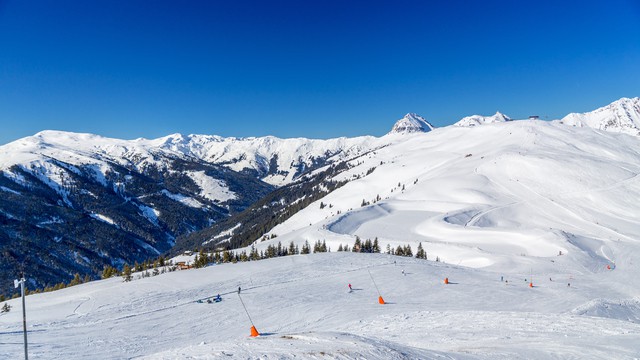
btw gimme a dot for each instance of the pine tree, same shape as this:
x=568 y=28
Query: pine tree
x=126 y=272
x=367 y=246
x=399 y=251
x=389 y=249
x=253 y=253
x=420 y=254
x=292 y=248
x=408 y=251
x=108 y=271
x=340 y=247
x=357 y=245
x=306 y=248
x=5 y=308
x=376 y=245
x=226 y=256
x=76 y=280
x=243 y=256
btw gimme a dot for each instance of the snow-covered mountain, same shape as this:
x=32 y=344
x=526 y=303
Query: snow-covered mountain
x=621 y=116
x=85 y=201
x=73 y=203
x=276 y=161
x=411 y=123
x=475 y=120
x=516 y=194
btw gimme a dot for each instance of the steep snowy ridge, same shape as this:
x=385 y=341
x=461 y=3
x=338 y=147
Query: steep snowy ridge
x=475 y=120
x=621 y=116
x=411 y=123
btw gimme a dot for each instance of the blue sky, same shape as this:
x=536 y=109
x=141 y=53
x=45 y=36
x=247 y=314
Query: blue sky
x=315 y=69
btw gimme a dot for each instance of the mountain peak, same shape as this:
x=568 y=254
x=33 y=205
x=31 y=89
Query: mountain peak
x=411 y=123
x=621 y=116
x=475 y=120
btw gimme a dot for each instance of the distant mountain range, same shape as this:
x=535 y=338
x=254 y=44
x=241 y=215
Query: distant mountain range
x=74 y=202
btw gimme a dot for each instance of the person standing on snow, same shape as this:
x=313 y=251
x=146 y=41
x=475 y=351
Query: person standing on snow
x=350 y=289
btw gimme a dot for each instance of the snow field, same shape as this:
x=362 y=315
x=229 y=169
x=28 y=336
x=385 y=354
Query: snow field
x=302 y=307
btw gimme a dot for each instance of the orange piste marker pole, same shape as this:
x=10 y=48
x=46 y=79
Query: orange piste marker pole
x=254 y=332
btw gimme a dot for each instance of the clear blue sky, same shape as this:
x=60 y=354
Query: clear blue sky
x=307 y=68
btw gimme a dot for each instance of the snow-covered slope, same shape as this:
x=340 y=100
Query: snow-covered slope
x=514 y=193
x=475 y=120
x=411 y=123
x=301 y=307
x=621 y=116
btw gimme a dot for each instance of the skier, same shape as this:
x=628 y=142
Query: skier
x=501 y=278
x=350 y=289
x=403 y=274
x=218 y=298
x=238 y=289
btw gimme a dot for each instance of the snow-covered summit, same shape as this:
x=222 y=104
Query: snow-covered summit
x=411 y=123
x=621 y=116
x=475 y=120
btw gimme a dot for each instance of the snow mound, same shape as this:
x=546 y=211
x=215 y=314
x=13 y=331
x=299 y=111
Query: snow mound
x=623 y=309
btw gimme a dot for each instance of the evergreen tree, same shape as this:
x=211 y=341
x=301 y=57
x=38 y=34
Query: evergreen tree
x=376 y=245
x=109 y=271
x=340 y=247
x=243 y=256
x=420 y=253
x=5 y=308
x=306 y=248
x=399 y=251
x=366 y=246
x=226 y=256
x=292 y=248
x=126 y=272
x=76 y=280
x=389 y=249
x=253 y=254
x=408 y=251
x=357 y=245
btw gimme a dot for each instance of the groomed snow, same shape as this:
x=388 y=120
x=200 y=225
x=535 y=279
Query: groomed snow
x=301 y=306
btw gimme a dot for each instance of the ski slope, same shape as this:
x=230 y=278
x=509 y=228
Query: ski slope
x=301 y=307
x=507 y=196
